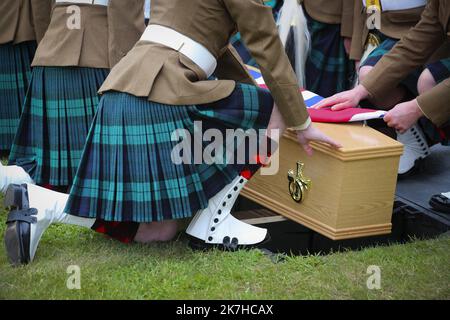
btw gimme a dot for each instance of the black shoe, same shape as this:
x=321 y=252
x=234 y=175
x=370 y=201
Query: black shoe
x=440 y=203
x=416 y=149
x=227 y=245
x=20 y=218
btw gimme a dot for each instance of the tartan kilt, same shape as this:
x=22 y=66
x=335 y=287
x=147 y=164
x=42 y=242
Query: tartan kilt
x=328 y=68
x=15 y=74
x=127 y=174
x=58 y=111
x=238 y=44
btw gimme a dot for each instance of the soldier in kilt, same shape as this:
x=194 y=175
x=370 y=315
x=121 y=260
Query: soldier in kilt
x=408 y=80
x=396 y=19
x=417 y=82
x=22 y=26
x=158 y=96
x=82 y=43
x=328 y=68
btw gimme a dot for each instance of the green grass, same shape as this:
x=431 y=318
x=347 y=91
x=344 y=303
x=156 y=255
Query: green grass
x=111 y=270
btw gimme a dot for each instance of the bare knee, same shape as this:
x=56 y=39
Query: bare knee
x=426 y=82
x=363 y=72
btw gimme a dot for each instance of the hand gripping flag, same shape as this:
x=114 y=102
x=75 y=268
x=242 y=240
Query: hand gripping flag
x=326 y=115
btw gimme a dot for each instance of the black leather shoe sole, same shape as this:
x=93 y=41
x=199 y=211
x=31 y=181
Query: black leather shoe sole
x=17 y=234
x=199 y=245
x=440 y=203
x=419 y=165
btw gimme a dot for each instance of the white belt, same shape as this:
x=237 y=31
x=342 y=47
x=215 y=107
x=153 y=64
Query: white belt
x=185 y=45
x=97 y=2
x=393 y=5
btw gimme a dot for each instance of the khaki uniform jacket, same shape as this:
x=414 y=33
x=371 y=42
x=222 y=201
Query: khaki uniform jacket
x=23 y=20
x=99 y=39
x=394 y=24
x=332 y=12
x=412 y=51
x=167 y=76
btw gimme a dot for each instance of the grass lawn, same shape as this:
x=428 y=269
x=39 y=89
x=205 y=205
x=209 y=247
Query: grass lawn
x=111 y=270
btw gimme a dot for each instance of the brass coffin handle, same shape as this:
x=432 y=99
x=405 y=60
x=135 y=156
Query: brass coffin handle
x=298 y=183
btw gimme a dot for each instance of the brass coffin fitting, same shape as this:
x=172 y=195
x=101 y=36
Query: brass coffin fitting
x=298 y=183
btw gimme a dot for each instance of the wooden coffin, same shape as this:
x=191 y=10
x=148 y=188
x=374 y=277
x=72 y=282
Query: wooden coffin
x=352 y=189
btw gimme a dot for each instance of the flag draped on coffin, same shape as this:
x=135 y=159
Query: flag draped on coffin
x=325 y=115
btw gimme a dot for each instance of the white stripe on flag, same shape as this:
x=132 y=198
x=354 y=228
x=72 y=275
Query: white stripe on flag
x=308 y=95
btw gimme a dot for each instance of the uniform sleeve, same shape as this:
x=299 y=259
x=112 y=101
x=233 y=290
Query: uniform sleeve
x=126 y=24
x=359 y=16
x=412 y=51
x=435 y=103
x=347 y=18
x=255 y=22
x=231 y=67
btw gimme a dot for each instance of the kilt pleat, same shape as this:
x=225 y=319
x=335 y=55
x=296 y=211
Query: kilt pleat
x=328 y=69
x=127 y=173
x=15 y=74
x=58 y=111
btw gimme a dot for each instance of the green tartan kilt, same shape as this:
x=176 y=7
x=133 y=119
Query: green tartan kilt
x=15 y=74
x=328 y=69
x=58 y=111
x=127 y=172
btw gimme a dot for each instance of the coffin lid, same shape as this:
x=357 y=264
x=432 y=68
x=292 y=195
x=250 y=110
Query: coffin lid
x=359 y=142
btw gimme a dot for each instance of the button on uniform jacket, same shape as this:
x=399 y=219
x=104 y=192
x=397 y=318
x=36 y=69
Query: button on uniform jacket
x=412 y=51
x=394 y=24
x=332 y=12
x=23 y=20
x=101 y=38
x=167 y=76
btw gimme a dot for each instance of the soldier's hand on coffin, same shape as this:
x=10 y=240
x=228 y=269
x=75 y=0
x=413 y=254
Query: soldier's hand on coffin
x=313 y=134
x=404 y=115
x=344 y=100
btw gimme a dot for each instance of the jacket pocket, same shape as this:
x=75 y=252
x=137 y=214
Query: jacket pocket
x=135 y=73
x=192 y=71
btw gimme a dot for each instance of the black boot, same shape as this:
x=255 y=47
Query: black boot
x=18 y=231
x=440 y=202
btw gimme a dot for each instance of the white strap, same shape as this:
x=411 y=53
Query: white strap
x=97 y=2
x=394 y=5
x=183 y=44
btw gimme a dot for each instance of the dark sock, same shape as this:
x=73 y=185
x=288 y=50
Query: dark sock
x=121 y=231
